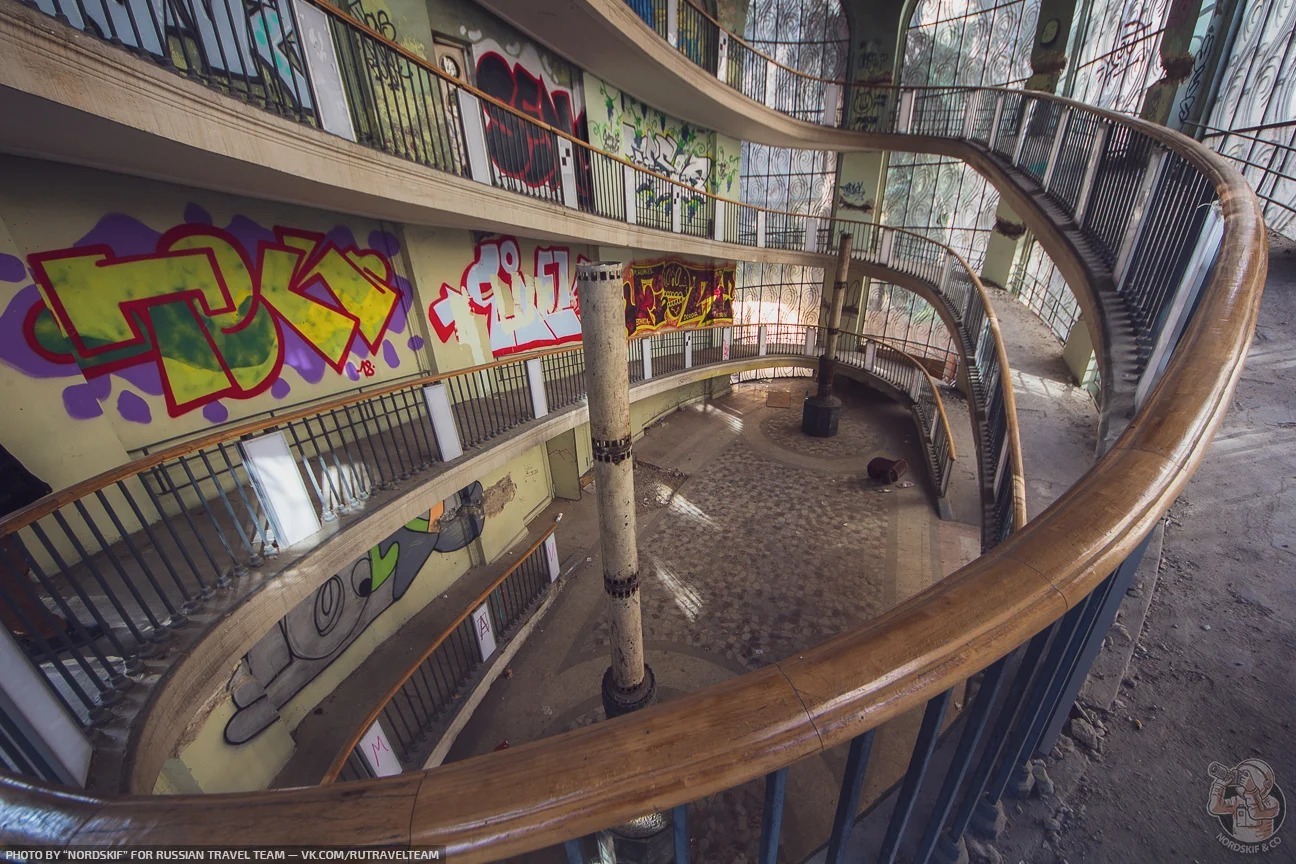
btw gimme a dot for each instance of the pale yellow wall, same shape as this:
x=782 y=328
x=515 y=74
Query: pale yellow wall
x=1078 y=349
x=514 y=494
x=645 y=411
x=51 y=207
x=523 y=488
x=528 y=311
x=33 y=407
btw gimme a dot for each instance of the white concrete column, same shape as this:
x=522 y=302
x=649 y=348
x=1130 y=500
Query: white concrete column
x=322 y=70
x=37 y=716
x=760 y=340
x=812 y=234
x=277 y=482
x=760 y=228
x=688 y=350
x=672 y=22
x=631 y=180
x=904 y=122
x=443 y=425
x=994 y=123
x=870 y=355
x=677 y=209
x=551 y=556
x=722 y=56
x=811 y=342
x=628 y=683
x=719 y=227
x=567 y=170
x=535 y=378
x=474 y=129
x=646 y=355
x=726 y=340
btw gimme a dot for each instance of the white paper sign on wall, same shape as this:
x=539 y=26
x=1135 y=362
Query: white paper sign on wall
x=485 y=632
x=378 y=752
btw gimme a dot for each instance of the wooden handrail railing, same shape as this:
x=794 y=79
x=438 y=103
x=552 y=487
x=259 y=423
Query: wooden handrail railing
x=700 y=743
x=547 y=791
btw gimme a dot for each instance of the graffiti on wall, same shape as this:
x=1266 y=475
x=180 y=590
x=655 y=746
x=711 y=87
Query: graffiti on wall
x=201 y=314
x=316 y=632
x=255 y=40
x=648 y=137
x=541 y=87
x=522 y=310
x=673 y=293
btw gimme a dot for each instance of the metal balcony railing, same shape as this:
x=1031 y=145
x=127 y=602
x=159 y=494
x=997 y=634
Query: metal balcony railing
x=1181 y=235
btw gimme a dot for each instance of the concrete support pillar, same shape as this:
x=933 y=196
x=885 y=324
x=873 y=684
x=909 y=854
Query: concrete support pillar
x=1048 y=54
x=1176 y=62
x=1006 y=239
x=628 y=683
x=821 y=413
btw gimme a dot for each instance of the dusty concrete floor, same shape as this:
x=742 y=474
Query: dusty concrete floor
x=738 y=573
x=1211 y=678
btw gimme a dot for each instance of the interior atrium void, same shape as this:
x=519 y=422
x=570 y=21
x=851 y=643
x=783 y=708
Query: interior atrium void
x=647 y=430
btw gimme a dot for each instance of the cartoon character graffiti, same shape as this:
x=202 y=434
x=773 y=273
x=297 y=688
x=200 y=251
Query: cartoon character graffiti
x=522 y=311
x=199 y=313
x=320 y=628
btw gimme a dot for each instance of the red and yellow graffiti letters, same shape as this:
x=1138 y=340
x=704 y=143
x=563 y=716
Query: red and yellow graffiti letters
x=207 y=315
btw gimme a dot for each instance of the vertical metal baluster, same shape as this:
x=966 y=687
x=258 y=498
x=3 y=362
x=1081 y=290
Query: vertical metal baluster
x=134 y=551
x=236 y=568
x=350 y=498
x=47 y=584
x=204 y=590
x=421 y=427
x=109 y=594
x=178 y=618
x=328 y=495
x=919 y=760
x=400 y=435
x=159 y=629
x=848 y=801
x=247 y=504
x=393 y=472
x=1021 y=739
x=47 y=651
x=997 y=742
x=679 y=819
x=360 y=472
x=254 y=560
x=772 y=816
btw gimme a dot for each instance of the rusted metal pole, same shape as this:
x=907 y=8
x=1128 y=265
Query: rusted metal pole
x=628 y=683
x=820 y=415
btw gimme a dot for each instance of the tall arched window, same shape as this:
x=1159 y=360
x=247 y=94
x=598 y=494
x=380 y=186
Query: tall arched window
x=957 y=42
x=811 y=36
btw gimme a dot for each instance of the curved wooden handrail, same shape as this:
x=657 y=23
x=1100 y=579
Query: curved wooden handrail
x=717 y=738
x=931 y=382
x=713 y=739
x=1017 y=473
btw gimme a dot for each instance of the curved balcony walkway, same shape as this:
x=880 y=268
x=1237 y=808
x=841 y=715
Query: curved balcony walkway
x=726 y=567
